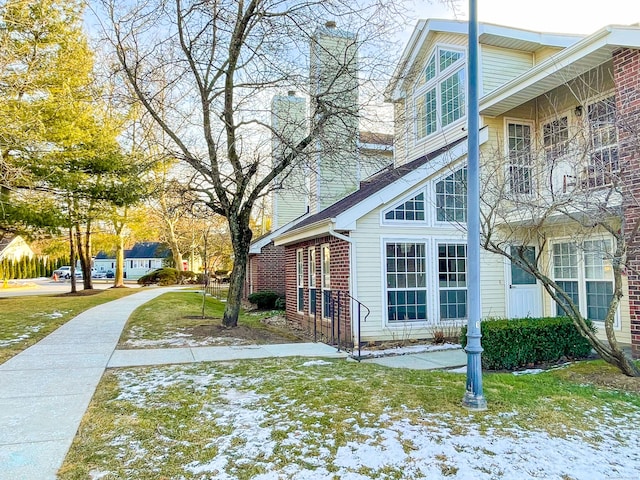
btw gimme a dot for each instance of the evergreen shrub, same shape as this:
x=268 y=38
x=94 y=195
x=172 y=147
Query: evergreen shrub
x=510 y=344
x=265 y=299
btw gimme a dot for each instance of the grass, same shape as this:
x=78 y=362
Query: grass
x=181 y=311
x=245 y=418
x=26 y=320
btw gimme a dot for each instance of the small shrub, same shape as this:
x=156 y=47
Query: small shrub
x=186 y=276
x=280 y=303
x=509 y=344
x=161 y=276
x=265 y=299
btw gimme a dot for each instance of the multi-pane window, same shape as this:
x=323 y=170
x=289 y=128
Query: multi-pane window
x=520 y=165
x=565 y=272
x=312 y=280
x=411 y=210
x=440 y=93
x=584 y=273
x=325 y=280
x=603 y=155
x=598 y=278
x=406 y=282
x=451 y=197
x=300 y=278
x=452 y=280
x=556 y=138
x=452 y=99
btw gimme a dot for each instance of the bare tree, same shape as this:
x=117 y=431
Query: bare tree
x=556 y=203
x=205 y=71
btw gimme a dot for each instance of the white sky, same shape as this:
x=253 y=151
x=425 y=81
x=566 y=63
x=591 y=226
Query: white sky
x=558 y=16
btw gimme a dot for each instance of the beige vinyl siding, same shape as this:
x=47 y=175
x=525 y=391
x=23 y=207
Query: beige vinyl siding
x=370 y=282
x=406 y=146
x=500 y=65
x=543 y=53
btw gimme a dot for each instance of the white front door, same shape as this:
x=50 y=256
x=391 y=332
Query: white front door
x=525 y=299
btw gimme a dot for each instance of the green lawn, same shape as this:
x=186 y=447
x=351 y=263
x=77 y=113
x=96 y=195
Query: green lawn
x=28 y=319
x=296 y=418
x=176 y=315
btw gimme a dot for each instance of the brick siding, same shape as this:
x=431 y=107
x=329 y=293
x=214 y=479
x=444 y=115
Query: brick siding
x=266 y=270
x=626 y=68
x=339 y=281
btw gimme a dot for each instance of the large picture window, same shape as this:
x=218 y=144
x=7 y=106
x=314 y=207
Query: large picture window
x=584 y=272
x=406 y=282
x=440 y=94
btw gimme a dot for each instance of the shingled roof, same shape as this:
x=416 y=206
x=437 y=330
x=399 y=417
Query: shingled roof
x=372 y=185
x=149 y=250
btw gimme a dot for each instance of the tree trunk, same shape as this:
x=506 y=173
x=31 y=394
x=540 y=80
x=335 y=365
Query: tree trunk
x=84 y=255
x=241 y=239
x=118 y=278
x=72 y=260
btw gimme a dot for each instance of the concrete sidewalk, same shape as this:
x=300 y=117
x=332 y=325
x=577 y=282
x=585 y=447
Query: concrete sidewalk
x=45 y=390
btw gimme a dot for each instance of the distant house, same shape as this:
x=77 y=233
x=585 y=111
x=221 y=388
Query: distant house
x=141 y=259
x=14 y=248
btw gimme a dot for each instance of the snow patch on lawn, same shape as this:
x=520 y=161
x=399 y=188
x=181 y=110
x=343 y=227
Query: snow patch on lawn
x=406 y=350
x=261 y=432
x=179 y=339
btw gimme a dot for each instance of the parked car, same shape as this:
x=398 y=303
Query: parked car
x=110 y=274
x=65 y=272
x=97 y=274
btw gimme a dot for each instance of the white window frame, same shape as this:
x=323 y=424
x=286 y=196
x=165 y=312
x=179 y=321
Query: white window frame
x=313 y=294
x=448 y=288
x=531 y=164
x=300 y=280
x=423 y=87
x=325 y=279
x=403 y=201
x=405 y=289
x=442 y=178
x=596 y=176
x=582 y=277
x=555 y=151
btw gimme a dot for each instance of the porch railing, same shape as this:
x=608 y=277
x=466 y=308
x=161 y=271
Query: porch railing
x=335 y=313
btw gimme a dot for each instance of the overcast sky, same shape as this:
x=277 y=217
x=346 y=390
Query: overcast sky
x=561 y=16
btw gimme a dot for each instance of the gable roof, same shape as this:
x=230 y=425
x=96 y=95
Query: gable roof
x=375 y=191
x=149 y=250
x=488 y=34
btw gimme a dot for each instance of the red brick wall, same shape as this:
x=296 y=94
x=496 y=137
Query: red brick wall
x=267 y=270
x=626 y=71
x=339 y=280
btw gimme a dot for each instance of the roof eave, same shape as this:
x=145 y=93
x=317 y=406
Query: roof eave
x=585 y=55
x=313 y=230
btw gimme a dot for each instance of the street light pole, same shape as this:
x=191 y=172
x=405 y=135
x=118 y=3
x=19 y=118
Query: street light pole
x=473 y=397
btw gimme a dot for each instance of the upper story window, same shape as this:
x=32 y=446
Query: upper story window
x=520 y=165
x=411 y=210
x=451 y=197
x=603 y=148
x=440 y=95
x=556 y=138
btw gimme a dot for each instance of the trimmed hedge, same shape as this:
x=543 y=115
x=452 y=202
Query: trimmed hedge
x=265 y=299
x=509 y=344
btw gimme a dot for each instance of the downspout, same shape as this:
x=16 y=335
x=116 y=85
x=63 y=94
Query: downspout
x=352 y=274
